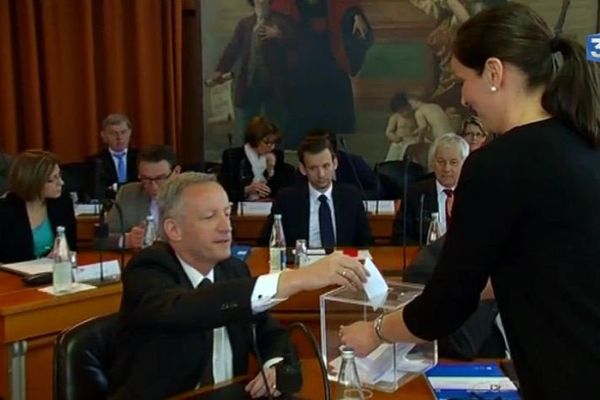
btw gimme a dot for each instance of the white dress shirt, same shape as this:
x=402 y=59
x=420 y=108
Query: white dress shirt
x=262 y=298
x=441 y=202
x=314 y=230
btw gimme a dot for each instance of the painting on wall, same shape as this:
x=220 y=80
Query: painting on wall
x=376 y=72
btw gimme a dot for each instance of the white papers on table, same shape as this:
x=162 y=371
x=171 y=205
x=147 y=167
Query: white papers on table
x=380 y=207
x=110 y=271
x=31 y=267
x=76 y=287
x=254 y=208
x=91 y=208
x=378 y=366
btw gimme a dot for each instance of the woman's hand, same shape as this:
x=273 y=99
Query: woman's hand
x=258 y=188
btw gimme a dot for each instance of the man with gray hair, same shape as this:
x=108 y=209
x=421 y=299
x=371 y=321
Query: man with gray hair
x=116 y=164
x=189 y=310
x=446 y=157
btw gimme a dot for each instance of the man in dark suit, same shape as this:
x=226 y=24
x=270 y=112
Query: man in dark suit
x=324 y=212
x=189 y=309
x=117 y=163
x=446 y=157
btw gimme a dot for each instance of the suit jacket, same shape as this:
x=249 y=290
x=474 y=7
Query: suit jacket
x=108 y=172
x=15 y=232
x=5 y=162
x=275 y=53
x=236 y=173
x=162 y=347
x=351 y=222
x=135 y=206
x=414 y=224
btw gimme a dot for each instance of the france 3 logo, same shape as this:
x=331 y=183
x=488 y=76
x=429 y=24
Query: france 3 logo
x=593 y=47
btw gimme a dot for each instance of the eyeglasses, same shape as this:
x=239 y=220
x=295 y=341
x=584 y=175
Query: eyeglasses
x=157 y=179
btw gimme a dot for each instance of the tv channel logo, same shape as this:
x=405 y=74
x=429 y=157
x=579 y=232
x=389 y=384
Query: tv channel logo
x=593 y=47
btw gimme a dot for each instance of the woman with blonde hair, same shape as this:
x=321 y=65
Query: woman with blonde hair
x=474 y=133
x=33 y=207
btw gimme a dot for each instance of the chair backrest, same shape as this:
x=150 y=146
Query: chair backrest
x=392 y=175
x=419 y=153
x=82 y=357
x=76 y=177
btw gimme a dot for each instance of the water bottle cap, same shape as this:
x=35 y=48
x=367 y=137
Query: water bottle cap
x=277 y=216
x=150 y=218
x=434 y=214
x=347 y=352
x=60 y=229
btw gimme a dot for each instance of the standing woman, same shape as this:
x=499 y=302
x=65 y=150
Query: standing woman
x=33 y=207
x=256 y=170
x=474 y=133
x=537 y=234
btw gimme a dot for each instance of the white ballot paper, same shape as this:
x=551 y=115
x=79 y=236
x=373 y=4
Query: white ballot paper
x=376 y=287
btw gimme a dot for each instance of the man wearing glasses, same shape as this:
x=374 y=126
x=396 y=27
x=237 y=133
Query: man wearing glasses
x=156 y=164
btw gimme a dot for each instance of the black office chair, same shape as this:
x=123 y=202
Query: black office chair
x=392 y=174
x=82 y=357
x=76 y=177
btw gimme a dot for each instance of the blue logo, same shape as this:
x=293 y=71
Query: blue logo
x=593 y=47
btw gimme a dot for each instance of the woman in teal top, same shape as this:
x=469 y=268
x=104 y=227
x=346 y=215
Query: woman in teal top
x=34 y=207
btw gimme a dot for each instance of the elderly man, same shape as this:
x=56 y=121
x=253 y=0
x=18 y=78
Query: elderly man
x=189 y=309
x=326 y=213
x=155 y=164
x=446 y=157
x=115 y=165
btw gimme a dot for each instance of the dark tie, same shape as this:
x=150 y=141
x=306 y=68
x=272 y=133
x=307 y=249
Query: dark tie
x=121 y=171
x=449 y=193
x=207 y=374
x=325 y=223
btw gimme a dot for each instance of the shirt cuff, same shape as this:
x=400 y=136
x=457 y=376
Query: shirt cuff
x=272 y=361
x=263 y=295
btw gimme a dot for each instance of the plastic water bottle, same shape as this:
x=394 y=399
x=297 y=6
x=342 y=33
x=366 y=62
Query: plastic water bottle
x=149 y=232
x=348 y=383
x=434 y=231
x=277 y=256
x=62 y=278
x=301 y=254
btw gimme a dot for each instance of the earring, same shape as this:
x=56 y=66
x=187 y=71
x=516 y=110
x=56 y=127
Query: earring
x=493 y=89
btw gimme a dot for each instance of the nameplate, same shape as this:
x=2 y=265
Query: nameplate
x=254 y=208
x=91 y=272
x=87 y=209
x=380 y=207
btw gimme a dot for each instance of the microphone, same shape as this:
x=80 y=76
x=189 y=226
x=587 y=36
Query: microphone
x=101 y=233
x=260 y=361
x=289 y=372
x=404 y=208
x=353 y=168
x=421 y=212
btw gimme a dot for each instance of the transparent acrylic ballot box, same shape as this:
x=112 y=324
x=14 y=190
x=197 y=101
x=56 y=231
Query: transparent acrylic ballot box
x=390 y=365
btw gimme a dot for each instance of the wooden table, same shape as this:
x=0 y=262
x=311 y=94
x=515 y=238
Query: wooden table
x=312 y=388
x=30 y=319
x=29 y=323
x=247 y=229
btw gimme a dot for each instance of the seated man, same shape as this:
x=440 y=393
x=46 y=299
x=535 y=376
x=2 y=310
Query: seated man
x=446 y=157
x=352 y=169
x=189 y=310
x=326 y=213
x=137 y=200
x=116 y=164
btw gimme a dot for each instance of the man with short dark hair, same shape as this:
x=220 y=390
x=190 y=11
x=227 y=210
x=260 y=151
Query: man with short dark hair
x=137 y=200
x=115 y=165
x=325 y=213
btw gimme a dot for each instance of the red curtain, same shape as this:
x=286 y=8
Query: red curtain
x=66 y=64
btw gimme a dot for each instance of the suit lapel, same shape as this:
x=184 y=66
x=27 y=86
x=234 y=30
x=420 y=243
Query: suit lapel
x=303 y=213
x=109 y=167
x=340 y=220
x=431 y=198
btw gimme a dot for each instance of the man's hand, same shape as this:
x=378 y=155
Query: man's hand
x=335 y=269
x=256 y=387
x=259 y=188
x=134 y=238
x=266 y=32
x=361 y=337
